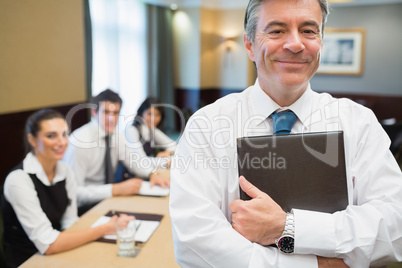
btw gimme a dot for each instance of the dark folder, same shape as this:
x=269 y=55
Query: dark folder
x=138 y=216
x=301 y=171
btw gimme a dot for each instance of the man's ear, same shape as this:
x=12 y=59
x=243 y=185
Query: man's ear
x=249 y=48
x=93 y=112
x=32 y=140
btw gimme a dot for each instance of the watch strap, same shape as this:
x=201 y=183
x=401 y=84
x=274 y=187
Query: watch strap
x=155 y=171
x=289 y=225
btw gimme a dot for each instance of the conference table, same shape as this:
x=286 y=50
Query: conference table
x=156 y=252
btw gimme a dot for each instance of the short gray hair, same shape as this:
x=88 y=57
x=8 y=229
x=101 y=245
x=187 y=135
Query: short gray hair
x=253 y=10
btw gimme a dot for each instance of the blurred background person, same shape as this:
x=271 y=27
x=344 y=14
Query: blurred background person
x=145 y=130
x=148 y=140
x=95 y=150
x=39 y=199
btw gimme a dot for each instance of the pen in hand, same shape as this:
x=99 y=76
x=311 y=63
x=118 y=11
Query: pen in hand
x=138 y=225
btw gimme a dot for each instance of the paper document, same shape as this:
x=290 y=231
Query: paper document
x=146 y=189
x=144 y=229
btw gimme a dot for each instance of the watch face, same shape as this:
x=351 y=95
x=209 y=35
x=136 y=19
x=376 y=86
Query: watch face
x=286 y=244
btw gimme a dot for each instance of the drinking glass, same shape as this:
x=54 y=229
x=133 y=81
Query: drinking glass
x=125 y=238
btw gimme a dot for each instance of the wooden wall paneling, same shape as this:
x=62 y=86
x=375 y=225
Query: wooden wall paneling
x=12 y=135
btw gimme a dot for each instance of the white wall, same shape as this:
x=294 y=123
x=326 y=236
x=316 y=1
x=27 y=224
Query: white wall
x=187 y=45
x=199 y=37
x=233 y=57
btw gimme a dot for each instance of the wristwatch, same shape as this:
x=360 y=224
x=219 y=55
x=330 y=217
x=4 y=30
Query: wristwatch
x=155 y=171
x=286 y=243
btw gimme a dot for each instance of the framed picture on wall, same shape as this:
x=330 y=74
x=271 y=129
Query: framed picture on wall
x=343 y=52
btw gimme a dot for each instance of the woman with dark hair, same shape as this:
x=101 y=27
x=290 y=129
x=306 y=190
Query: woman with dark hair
x=145 y=134
x=39 y=199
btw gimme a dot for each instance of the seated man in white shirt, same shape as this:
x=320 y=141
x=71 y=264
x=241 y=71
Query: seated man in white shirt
x=212 y=227
x=86 y=155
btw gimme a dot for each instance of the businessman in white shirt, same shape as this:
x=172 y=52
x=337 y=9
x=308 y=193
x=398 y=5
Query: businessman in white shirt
x=86 y=155
x=212 y=227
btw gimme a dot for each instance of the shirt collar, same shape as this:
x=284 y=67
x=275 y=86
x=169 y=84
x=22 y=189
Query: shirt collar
x=262 y=104
x=265 y=106
x=33 y=166
x=302 y=106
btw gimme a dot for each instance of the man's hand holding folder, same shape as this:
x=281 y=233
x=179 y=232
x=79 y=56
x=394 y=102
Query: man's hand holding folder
x=261 y=219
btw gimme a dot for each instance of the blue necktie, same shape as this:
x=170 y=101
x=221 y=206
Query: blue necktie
x=283 y=122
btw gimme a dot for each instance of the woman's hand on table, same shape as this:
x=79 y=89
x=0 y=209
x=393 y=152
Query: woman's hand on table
x=121 y=220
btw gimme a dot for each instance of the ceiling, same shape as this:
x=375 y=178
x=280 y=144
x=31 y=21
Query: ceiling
x=231 y=4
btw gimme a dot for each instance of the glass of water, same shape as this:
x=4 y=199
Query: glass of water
x=125 y=233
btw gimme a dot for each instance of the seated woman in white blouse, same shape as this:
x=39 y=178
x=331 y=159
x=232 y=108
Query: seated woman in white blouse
x=39 y=198
x=145 y=135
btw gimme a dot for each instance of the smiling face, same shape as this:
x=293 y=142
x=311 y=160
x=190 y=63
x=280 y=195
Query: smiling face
x=108 y=115
x=287 y=47
x=51 y=140
x=152 y=117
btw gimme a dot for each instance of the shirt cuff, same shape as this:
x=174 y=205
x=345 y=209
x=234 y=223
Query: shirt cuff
x=42 y=246
x=314 y=233
x=104 y=191
x=271 y=257
x=300 y=261
x=93 y=193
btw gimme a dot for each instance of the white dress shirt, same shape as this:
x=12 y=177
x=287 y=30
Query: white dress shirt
x=160 y=139
x=20 y=192
x=204 y=181
x=86 y=156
